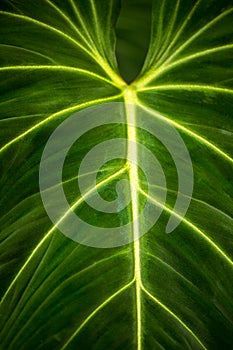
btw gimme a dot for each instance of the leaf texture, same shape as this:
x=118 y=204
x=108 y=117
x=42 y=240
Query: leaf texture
x=163 y=291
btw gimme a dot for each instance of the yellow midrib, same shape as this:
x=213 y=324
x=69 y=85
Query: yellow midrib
x=130 y=102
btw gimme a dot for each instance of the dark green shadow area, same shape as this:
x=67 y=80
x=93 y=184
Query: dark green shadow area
x=133 y=35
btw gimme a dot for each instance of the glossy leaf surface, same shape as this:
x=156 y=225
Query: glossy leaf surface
x=164 y=291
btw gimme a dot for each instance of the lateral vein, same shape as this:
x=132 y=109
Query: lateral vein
x=47 y=26
x=98 y=59
x=60 y=68
x=155 y=73
x=187 y=131
x=101 y=306
x=188 y=87
x=189 y=224
x=157 y=301
x=58 y=114
x=47 y=235
x=53 y=293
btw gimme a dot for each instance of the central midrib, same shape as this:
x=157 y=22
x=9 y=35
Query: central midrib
x=130 y=105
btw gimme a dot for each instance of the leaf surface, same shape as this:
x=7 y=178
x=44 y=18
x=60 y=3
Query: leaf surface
x=163 y=291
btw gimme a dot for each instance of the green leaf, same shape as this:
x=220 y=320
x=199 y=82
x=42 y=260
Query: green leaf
x=162 y=291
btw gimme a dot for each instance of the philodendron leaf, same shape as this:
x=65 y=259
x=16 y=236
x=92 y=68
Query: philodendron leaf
x=174 y=128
